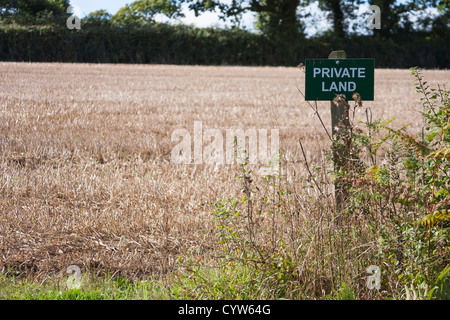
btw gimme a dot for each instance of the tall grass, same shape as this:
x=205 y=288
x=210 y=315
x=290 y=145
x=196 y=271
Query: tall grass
x=86 y=180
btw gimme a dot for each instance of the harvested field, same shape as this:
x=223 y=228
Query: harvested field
x=85 y=171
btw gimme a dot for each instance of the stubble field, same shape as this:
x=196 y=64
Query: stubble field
x=86 y=176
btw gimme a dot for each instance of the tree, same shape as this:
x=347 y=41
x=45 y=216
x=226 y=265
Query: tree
x=275 y=18
x=99 y=15
x=339 y=11
x=278 y=18
x=97 y=18
x=396 y=16
x=144 y=11
x=34 y=11
x=441 y=23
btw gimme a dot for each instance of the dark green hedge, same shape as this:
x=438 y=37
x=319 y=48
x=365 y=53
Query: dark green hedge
x=165 y=44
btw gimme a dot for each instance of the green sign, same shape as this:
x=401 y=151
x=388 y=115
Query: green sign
x=325 y=78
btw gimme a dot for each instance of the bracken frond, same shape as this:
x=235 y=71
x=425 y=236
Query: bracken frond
x=409 y=141
x=437 y=218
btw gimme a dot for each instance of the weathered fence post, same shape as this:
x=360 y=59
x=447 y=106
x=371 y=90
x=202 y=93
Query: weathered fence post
x=340 y=125
x=337 y=112
x=341 y=147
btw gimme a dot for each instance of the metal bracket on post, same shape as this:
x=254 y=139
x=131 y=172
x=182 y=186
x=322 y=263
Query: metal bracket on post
x=339 y=54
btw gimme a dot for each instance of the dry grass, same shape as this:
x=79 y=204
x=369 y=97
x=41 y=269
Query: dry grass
x=85 y=172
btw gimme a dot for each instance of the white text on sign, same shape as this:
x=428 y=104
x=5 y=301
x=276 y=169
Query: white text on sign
x=340 y=86
x=339 y=73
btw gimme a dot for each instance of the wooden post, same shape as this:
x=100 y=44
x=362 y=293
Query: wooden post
x=340 y=129
x=337 y=113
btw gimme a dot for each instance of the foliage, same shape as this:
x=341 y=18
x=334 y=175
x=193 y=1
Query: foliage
x=283 y=18
x=237 y=221
x=339 y=11
x=99 y=18
x=408 y=192
x=92 y=288
x=277 y=20
x=144 y=11
x=30 y=12
x=396 y=16
x=133 y=36
x=101 y=41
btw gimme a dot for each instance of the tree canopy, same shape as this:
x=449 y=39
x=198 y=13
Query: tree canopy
x=275 y=18
x=279 y=20
x=283 y=18
x=34 y=11
x=143 y=11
